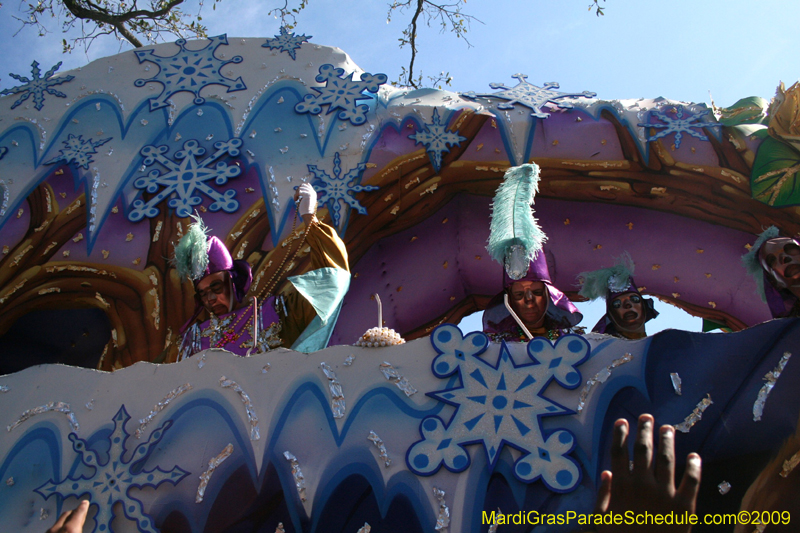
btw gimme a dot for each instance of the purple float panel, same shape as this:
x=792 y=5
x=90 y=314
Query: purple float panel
x=422 y=272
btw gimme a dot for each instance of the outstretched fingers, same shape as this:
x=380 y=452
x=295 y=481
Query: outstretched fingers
x=604 y=493
x=690 y=484
x=665 y=460
x=643 y=446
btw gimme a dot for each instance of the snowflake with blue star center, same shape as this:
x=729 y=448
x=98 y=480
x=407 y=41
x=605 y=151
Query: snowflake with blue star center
x=185 y=177
x=338 y=190
x=341 y=93
x=111 y=481
x=189 y=70
x=530 y=95
x=37 y=86
x=286 y=42
x=78 y=151
x=678 y=124
x=437 y=140
x=501 y=404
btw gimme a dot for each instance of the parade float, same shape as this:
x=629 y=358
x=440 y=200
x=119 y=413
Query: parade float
x=101 y=168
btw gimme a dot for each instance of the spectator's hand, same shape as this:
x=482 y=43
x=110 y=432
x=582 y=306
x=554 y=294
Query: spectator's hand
x=650 y=486
x=307 y=197
x=71 y=521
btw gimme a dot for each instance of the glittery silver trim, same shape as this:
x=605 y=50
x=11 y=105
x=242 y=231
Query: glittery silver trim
x=676 y=382
x=724 y=487
x=366 y=528
x=10 y=482
x=248 y=405
x=790 y=464
x=376 y=440
x=443 y=518
x=90 y=405
x=601 y=377
x=4 y=388
x=299 y=480
x=337 y=396
x=44 y=514
x=392 y=375
x=202 y=362
x=349 y=360
x=770 y=378
x=50 y=406
x=157 y=408
x=265 y=369
x=213 y=463
x=280 y=529
x=493 y=526
x=6 y=195
x=695 y=416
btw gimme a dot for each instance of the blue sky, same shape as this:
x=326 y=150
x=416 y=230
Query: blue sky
x=681 y=49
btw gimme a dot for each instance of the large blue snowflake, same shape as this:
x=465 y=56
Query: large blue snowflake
x=501 y=404
x=37 y=86
x=341 y=93
x=189 y=70
x=78 y=151
x=678 y=124
x=111 y=481
x=186 y=176
x=530 y=95
x=437 y=140
x=339 y=189
x=286 y=42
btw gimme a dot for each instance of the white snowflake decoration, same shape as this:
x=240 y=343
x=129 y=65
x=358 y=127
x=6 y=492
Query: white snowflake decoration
x=189 y=70
x=531 y=96
x=678 y=125
x=341 y=93
x=112 y=480
x=37 y=86
x=501 y=405
x=286 y=42
x=337 y=190
x=185 y=177
x=437 y=139
x=78 y=151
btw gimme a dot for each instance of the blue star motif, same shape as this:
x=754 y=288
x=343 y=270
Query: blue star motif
x=678 y=125
x=530 y=95
x=186 y=176
x=78 y=151
x=37 y=86
x=339 y=189
x=189 y=70
x=286 y=42
x=437 y=140
x=501 y=404
x=113 y=479
x=341 y=93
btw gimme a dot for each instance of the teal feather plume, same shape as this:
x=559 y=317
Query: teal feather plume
x=512 y=215
x=191 y=252
x=751 y=262
x=597 y=283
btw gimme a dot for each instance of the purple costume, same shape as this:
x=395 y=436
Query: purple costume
x=561 y=313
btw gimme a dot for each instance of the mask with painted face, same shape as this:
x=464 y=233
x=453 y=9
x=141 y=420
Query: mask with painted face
x=780 y=257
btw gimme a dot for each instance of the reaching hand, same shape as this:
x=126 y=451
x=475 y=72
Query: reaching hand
x=650 y=486
x=308 y=200
x=71 y=521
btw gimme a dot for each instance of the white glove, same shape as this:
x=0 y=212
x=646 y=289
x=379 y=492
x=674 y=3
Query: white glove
x=308 y=199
